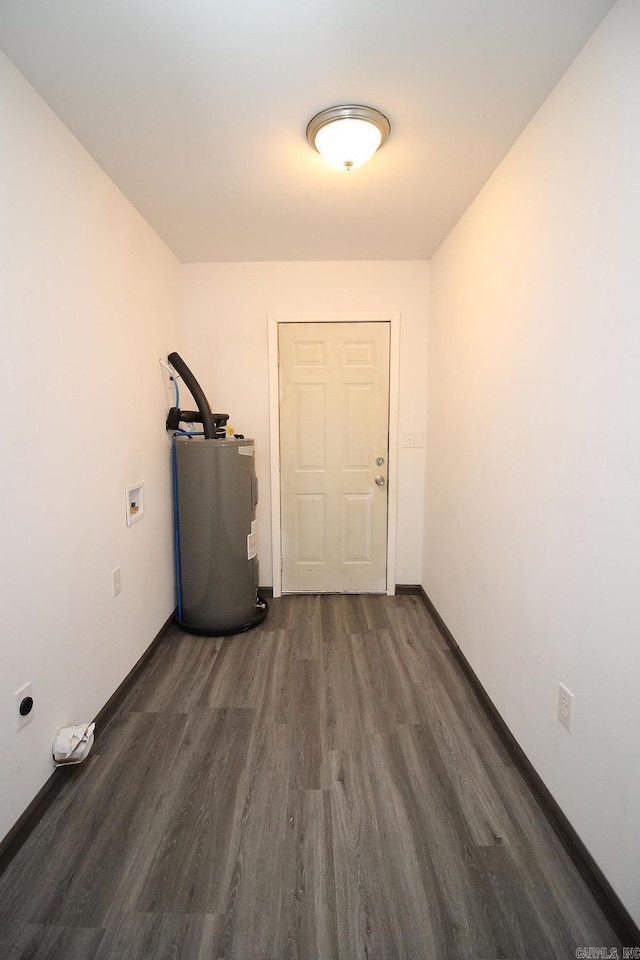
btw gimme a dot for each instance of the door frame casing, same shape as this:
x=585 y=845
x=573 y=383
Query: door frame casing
x=393 y=319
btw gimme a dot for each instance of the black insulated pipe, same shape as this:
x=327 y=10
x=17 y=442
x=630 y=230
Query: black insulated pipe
x=197 y=393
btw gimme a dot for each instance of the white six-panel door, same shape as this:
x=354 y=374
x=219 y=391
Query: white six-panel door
x=334 y=439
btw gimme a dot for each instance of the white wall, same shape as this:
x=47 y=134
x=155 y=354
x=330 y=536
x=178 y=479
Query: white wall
x=89 y=299
x=532 y=530
x=225 y=336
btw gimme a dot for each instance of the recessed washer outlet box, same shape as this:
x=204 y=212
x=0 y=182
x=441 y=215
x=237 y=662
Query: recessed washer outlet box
x=134 y=502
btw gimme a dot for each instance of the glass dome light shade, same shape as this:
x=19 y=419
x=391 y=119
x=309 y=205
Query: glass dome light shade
x=348 y=143
x=347 y=136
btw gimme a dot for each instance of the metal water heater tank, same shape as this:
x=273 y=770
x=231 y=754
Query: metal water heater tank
x=216 y=498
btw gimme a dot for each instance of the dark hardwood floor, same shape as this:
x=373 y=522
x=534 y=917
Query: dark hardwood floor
x=325 y=786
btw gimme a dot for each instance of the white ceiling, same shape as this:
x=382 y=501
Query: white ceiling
x=197 y=109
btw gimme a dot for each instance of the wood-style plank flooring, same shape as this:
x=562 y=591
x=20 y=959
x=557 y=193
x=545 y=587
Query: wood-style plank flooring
x=325 y=786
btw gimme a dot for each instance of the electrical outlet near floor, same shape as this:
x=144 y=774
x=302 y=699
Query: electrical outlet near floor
x=565 y=706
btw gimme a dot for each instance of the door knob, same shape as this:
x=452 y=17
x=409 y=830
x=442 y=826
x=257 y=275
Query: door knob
x=380 y=481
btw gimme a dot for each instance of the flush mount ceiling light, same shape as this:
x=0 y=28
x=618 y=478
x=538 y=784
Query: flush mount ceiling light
x=349 y=135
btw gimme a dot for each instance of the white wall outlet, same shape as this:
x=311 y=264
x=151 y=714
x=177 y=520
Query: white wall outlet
x=23 y=705
x=116 y=584
x=408 y=439
x=565 y=706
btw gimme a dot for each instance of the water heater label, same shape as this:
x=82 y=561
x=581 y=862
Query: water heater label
x=252 y=542
x=247 y=451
